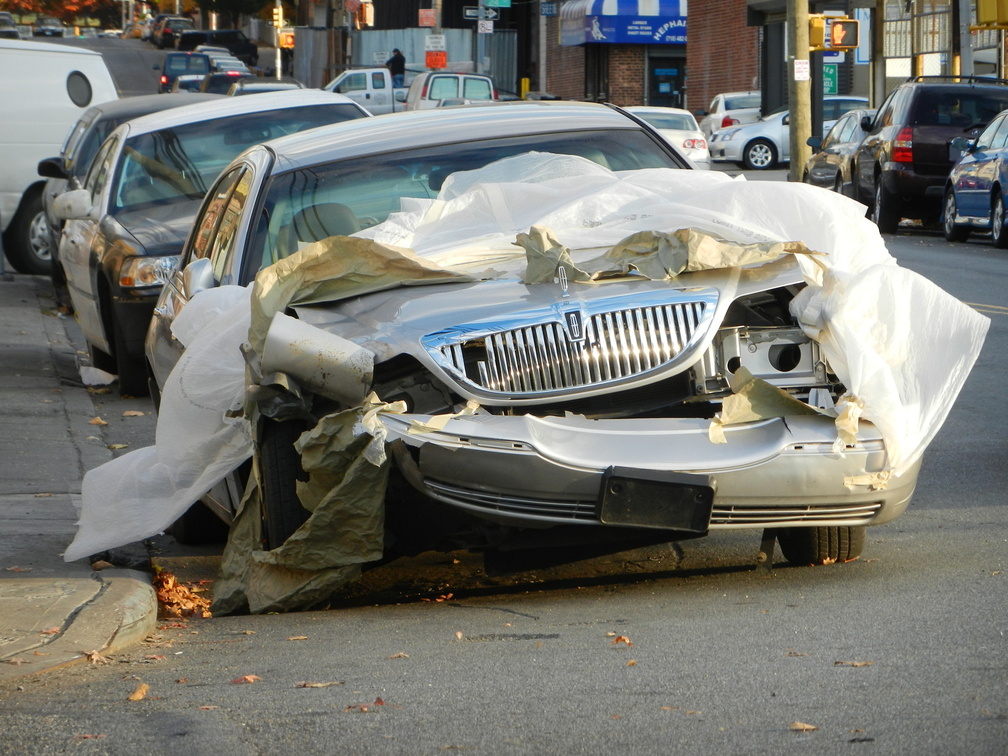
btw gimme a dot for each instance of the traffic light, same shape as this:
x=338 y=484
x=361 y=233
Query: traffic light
x=287 y=40
x=278 y=16
x=817 y=32
x=992 y=12
x=843 y=34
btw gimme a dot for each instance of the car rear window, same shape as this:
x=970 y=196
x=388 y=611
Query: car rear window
x=187 y=64
x=965 y=109
x=740 y=102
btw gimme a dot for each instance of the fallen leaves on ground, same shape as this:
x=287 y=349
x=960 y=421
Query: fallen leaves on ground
x=802 y=727
x=15 y=568
x=246 y=679
x=363 y=708
x=440 y=599
x=177 y=600
x=100 y=565
x=89 y=736
x=632 y=663
x=458 y=634
x=96 y=421
x=155 y=657
x=139 y=693
x=94 y=657
x=297 y=637
x=50 y=631
x=399 y=655
x=209 y=707
x=116 y=447
x=795 y=653
x=17 y=661
x=621 y=639
x=133 y=413
x=852 y=664
x=306 y=684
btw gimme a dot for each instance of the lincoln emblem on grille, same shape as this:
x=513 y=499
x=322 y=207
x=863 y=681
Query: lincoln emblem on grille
x=575 y=326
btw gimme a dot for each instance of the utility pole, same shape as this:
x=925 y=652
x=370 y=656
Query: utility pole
x=799 y=86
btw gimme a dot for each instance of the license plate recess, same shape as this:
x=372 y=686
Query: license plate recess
x=652 y=499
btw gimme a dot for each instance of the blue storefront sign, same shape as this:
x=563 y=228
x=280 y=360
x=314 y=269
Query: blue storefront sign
x=641 y=22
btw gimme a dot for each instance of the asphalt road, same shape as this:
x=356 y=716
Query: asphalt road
x=903 y=651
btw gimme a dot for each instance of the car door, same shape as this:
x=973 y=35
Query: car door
x=975 y=172
x=78 y=242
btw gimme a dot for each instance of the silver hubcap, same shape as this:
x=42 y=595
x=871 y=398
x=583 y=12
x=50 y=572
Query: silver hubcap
x=759 y=155
x=997 y=218
x=38 y=237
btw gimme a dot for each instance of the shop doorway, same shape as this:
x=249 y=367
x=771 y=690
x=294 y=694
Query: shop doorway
x=666 y=81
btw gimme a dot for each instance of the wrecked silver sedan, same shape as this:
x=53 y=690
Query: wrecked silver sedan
x=525 y=330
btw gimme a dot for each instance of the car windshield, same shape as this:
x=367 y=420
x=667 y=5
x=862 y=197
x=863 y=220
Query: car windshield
x=341 y=198
x=179 y=163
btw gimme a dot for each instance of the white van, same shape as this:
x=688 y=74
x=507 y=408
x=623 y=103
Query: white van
x=44 y=88
x=428 y=89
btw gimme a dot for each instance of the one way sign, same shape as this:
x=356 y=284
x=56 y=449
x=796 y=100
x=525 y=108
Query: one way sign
x=472 y=13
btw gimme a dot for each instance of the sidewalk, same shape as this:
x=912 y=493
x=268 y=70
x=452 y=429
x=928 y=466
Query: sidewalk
x=51 y=613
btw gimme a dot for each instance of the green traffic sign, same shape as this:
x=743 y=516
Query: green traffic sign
x=498 y=3
x=829 y=78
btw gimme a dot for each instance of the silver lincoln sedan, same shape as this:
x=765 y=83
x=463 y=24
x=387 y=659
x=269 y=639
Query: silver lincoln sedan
x=536 y=414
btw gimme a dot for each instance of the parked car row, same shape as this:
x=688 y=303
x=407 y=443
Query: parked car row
x=932 y=152
x=167 y=31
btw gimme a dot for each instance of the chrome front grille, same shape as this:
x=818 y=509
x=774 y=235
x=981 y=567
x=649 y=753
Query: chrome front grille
x=570 y=346
x=812 y=514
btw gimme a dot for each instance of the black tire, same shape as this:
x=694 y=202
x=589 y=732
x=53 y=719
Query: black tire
x=280 y=466
x=26 y=241
x=821 y=545
x=999 y=235
x=883 y=212
x=953 y=232
x=132 y=372
x=760 y=155
x=198 y=525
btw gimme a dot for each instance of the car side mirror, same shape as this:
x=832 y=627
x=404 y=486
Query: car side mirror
x=197 y=277
x=786 y=120
x=963 y=144
x=814 y=142
x=866 y=122
x=73 y=204
x=52 y=168
x=400 y=96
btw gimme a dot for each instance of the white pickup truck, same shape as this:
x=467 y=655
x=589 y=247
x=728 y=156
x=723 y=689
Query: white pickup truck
x=371 y=88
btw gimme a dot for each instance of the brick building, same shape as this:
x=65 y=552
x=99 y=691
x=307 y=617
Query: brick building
x=723 y=54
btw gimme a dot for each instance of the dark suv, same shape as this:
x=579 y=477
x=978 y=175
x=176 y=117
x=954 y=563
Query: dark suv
x=901 y=165
x=233 y=39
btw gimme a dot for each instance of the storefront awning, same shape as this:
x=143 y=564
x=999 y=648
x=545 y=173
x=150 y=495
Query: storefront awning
x=634 y=22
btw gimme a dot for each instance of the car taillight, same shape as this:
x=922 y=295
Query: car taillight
x=495 y=94
x=902 y=148
x=423 y=92
x=164 y=79
x=694 y=144
x=728 y=121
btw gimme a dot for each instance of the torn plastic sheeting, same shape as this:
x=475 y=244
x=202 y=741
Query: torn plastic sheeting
x=201 y=435
x=345 y=494
x=332 y=269
x=652 y=254
x=754 y=399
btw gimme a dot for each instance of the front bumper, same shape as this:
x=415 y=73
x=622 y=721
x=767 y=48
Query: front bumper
x=133 y=312
x=729 y=150
x=540 y=471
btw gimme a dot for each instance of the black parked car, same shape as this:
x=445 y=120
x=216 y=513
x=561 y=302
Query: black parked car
x=903 y=162
x=233 y=39
x=169 y=30
x=830 y=164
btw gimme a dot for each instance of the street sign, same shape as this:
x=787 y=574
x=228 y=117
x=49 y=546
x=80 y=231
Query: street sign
x=829 y=78
x=426 y=17
x=547 y=9
x=435 y=42
x=472 y=13
x=498 y=3
x=436 y=60
x=484 y=27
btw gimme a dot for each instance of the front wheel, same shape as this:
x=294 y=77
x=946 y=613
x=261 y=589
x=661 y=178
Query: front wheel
x=821 y=545
x=760 y=155
x=953 y=232
x=883 y=212
x=280 y=466
x=26 y=240
x=999 y=235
